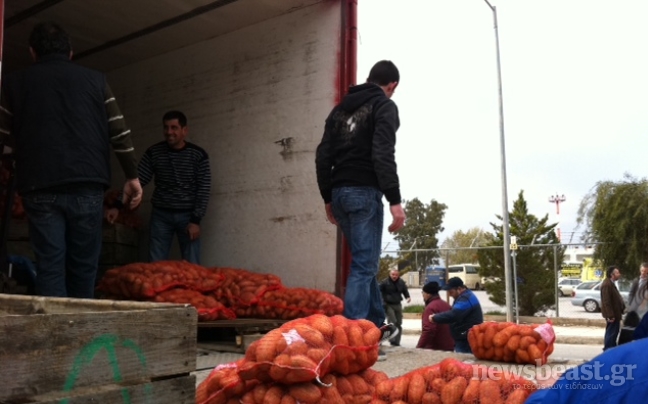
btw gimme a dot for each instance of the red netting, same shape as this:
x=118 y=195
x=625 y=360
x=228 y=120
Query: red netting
x=209 y=309
x=513 y=343
x=306 y=349
x=291 y=303
x=127 y=217
x=222 y=384
x=351 y=389
x=453 y=382
x=241 y=287
x=145 y=280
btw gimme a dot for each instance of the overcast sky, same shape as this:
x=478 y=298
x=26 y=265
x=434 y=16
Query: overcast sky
x=575 y=81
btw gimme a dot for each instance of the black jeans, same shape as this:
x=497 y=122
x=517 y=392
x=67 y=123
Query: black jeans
x=611 y=334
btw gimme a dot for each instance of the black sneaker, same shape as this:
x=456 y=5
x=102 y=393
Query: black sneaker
x=382 y=356
x=388 y=331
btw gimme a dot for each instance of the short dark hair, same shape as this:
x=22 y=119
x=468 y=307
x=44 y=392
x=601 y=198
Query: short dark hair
x=383 y=73
x=171 y=115
x=49 y=38
x=609 y=270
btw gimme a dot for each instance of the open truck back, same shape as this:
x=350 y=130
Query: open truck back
x=256 y=79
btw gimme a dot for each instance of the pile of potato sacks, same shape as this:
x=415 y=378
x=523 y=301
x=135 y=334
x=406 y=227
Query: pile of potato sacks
x=327 y=360
x=217 y=293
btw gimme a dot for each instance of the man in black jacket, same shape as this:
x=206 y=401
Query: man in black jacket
x=355 y=167
x=62 y=120
x=466 y=312
x=393 y=289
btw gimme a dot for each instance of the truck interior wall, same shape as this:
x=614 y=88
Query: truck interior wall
x=256 y=100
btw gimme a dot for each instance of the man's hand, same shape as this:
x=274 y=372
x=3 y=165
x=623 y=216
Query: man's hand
x=431 y=318
x=610 y=320
x=111 y=215
x=398 y=216
x=132 y=195
x=329 y=213
x=409 y=300
x=194 y=231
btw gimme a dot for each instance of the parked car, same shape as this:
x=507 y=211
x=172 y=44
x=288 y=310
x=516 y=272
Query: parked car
x=588 y=294
x=566 y=285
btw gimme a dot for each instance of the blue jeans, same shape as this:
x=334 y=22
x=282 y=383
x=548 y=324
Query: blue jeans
x=462 y=346
x=65 y=234
x=164 y=225
x=611 y=334
x=359 y=212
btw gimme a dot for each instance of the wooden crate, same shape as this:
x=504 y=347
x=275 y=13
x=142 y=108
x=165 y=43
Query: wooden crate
x=78 y=351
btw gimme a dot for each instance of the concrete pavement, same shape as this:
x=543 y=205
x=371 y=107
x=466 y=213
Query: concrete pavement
x=565 y=334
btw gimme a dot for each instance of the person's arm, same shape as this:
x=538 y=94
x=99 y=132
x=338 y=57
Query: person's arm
x=459 y=311
x=406 y=292
x=122 y=144
x=386 y=123
x=6 y=120
x=323 y=167
x=203 y=190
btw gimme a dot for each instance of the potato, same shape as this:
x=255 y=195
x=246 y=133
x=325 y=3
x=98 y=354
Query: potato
x=453 y=391
x=416 y=389
x=306 y=393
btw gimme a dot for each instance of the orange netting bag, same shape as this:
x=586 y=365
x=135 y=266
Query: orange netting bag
x=140 y=281
x=222 y=384
x=306 y=349
x=453 y=382
x=209 y=309
x=292 y=303
x=351 y=389
x=241 y=287
x=513 y=343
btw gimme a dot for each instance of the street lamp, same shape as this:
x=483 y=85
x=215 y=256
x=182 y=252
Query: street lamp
x=558 y=199
x=505 y=213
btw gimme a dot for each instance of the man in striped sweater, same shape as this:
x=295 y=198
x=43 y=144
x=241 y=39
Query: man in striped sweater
x=62 y=120
x=182 y=188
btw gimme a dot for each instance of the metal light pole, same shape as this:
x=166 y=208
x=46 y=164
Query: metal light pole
x=505 y=213
x=514 y=248
x=558 y=199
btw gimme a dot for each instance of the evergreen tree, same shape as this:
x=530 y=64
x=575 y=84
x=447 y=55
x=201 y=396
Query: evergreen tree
x=535 y=265
x=423 y=224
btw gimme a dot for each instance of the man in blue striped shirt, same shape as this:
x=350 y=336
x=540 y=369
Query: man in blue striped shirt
x=182 y=188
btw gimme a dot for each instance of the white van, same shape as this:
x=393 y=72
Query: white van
x=468 y=274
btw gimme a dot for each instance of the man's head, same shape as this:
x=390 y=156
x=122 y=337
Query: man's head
x=613 y=273
x=394 y=274
x=48 y=38
x=386 y=75
x=174 y=124
x=430 y=289
x=643 y=270
x=455 y=287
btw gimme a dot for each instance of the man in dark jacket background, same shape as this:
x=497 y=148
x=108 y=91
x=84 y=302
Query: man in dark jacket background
x=355 y=167
x=612 y=307
x=393 y=289
x=62 y=120
x=466 y=312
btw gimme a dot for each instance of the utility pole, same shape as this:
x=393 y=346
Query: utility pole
x=557 y=199
x=505 y=212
